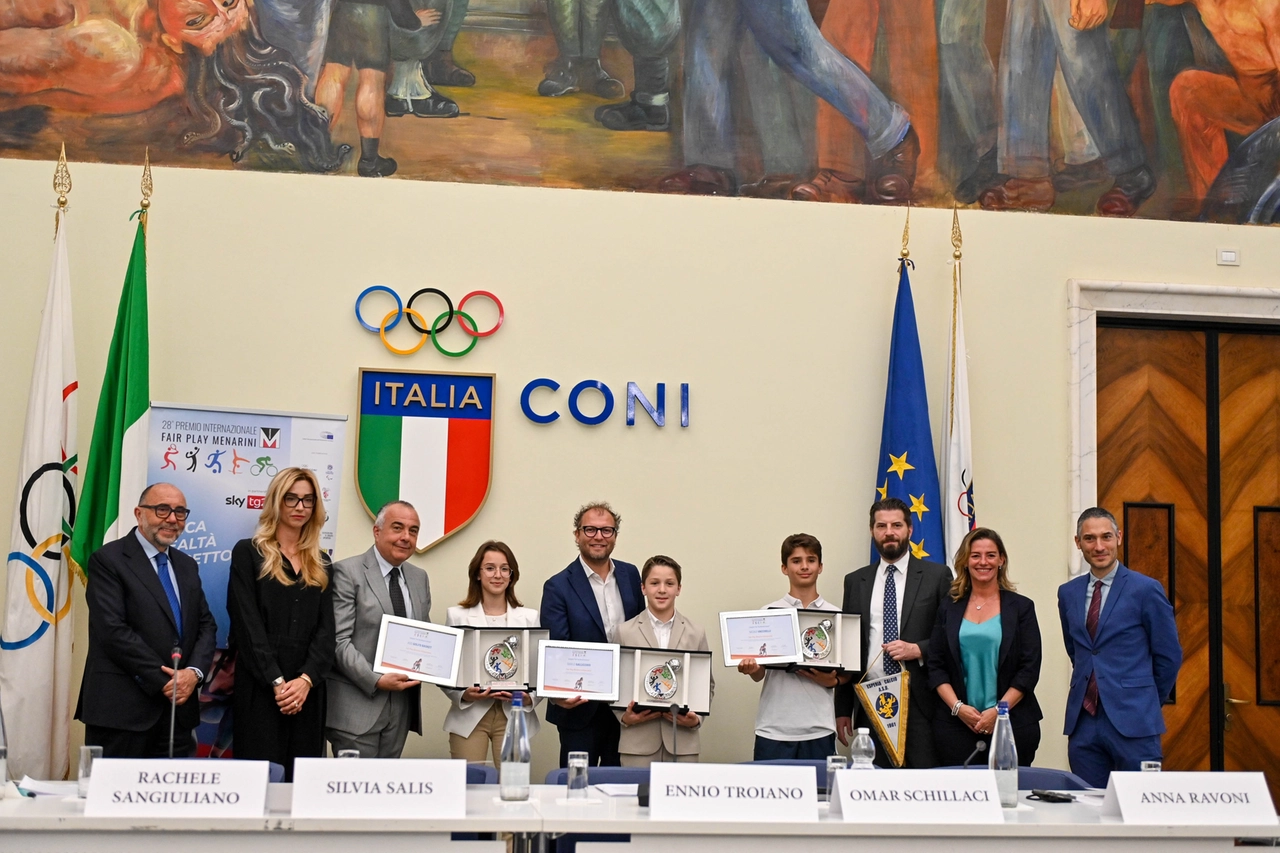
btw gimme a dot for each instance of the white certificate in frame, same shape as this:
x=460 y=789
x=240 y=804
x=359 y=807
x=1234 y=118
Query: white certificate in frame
x=567 y=669
x=769 y=636
x=421 y=650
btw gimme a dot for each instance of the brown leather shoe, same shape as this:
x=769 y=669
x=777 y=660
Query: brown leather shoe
x=770 y=186
x=1019 y=194
x=830 y=185
x=890 y=176
x=699 y=179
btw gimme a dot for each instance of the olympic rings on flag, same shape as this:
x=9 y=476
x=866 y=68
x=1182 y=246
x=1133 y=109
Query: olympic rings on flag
x=53 y=548
x=406 y=311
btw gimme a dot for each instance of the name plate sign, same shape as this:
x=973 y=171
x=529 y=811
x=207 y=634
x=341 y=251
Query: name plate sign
x=411 y=788
x=1189 y=798
x=135 y=787
x=732 y=792
x=916 y=796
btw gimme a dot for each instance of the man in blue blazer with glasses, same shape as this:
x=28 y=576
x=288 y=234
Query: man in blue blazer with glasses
x=586 y=603
x=1120 y=633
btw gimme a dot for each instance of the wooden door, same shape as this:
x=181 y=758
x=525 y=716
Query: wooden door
x=1249 y=390
x=1153 y=476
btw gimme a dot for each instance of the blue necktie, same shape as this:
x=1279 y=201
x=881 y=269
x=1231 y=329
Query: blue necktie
x=162 y=568
x=891 y=666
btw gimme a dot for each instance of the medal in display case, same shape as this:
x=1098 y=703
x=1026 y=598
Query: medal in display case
x=828 y=640
x=660 y=678
x=501 y=658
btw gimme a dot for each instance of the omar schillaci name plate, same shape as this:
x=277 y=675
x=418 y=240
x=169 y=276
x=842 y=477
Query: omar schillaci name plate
x=155 y=787
x=732 y=792
x=410 y=788
x=916 y=796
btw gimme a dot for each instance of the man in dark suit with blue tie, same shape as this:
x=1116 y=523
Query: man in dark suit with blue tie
x=146 y=603
x=586 y=603
x=1120 y=633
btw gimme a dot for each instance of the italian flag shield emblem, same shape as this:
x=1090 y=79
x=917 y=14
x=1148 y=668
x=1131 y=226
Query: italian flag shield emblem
x=426 y=438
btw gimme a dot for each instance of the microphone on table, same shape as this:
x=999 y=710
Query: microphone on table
x=176 y=656
x=978 y=748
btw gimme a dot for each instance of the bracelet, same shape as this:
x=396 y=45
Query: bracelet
x=307 y=679
x=955 y=709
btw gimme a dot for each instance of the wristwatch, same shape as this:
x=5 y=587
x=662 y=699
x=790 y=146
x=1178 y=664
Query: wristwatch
x=279 y=680
x=955 y=709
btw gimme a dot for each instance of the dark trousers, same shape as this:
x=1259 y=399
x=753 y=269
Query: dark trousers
x=919 y=753
x=152 y=743
x=1095 y=748
x=816 y=748
x=953 y=742
x=599 y=740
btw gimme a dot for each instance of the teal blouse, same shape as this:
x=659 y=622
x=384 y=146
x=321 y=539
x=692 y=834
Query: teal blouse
x=980 y=654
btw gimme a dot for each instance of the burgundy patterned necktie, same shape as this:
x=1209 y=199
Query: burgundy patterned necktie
x=1091 y=625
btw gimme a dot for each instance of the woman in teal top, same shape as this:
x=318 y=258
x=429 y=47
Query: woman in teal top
x=985 y=649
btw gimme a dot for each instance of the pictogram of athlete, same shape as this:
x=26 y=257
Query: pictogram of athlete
x=236 y=461
x=215 y=461
x=168 y=458
x=192 y=457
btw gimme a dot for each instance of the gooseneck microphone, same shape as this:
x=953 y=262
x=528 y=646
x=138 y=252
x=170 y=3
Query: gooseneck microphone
x=176 y=656
x=978 y=748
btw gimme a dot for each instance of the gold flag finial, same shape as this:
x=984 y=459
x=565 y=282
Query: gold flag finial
x=906 y=234
x=957 y=240
x=62 y=186
x=147 y=186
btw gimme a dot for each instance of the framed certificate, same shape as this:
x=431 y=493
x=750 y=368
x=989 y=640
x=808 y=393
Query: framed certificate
x=421 y=650
x=567 y=669
x=769 y=636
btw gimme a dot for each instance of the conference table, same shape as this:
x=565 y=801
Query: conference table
x=57 y=825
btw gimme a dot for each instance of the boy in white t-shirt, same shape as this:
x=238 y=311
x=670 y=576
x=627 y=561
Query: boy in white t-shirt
x=796 y=717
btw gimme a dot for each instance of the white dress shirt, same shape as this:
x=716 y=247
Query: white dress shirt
x=151 y=551
x=661 y=630
x=608 y=599
x=875 y=630
x=386 y=578
x=793 y=707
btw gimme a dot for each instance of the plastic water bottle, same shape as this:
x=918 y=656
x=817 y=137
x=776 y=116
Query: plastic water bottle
x=513 y=776
x=862 y=752
x=1003 y=758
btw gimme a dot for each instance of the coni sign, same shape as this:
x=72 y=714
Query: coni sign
x=546 y=391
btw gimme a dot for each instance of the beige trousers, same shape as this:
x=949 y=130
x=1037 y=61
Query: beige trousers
x=661 y=755
x=484 y=739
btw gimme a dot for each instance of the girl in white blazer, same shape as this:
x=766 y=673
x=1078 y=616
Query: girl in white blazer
x=478 y=719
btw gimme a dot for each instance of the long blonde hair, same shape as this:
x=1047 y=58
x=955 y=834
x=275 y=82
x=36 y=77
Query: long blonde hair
x=311 y=568
x=961 y=585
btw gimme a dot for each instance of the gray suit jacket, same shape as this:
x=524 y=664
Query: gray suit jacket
x=360 y=599
x=645 y=738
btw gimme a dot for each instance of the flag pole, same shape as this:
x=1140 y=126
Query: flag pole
x=62 y=186
x=957 y=241
x=904 y=253
x=147 y=187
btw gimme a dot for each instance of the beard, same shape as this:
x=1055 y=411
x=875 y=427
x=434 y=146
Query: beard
x=891 y=551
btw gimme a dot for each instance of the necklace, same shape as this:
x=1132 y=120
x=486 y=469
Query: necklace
x=977 y=606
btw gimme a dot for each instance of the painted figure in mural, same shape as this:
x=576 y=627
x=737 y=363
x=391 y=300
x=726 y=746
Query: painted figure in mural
x=787 y=33
x=408 y=92
x=360 y=37
x=648 y=29
x=1041 y=35
x=1207 y=104
x=440 y=67
x=851 y=27
x=578 y=26
x=115 y=57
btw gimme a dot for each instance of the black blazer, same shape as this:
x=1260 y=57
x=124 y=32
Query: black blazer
x=926 y=587
x=1019 y=664
x=132 y=634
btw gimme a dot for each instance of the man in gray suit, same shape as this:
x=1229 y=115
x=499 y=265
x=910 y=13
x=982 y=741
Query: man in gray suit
x=370 y=712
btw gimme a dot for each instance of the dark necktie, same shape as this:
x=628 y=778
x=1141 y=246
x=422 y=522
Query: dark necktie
x=414 y=694
x=1091 y=625
x=397 y=594
x=162 y=569
x=891 y=666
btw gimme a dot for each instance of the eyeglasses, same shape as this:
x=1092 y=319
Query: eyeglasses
x=605 y=532
x=505 y=571
x=163 y=511
x=290 y=499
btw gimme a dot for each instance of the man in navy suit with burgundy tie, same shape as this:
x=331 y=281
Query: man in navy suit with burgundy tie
x=586 y=603
x=1120 y=633
x=146 y=603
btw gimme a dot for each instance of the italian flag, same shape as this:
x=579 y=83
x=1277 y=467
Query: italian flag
x=116 y=469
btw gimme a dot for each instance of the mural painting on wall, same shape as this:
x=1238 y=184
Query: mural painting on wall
x=1165 y=109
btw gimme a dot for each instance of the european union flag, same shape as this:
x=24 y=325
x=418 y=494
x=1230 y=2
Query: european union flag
x=906 y=467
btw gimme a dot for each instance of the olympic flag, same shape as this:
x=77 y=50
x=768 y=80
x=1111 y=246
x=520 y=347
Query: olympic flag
x=957 y=489
x=35 y=646
x=116 y=470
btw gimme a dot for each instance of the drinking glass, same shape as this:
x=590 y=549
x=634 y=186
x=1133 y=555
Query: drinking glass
x=88 y=754
x=577 y=776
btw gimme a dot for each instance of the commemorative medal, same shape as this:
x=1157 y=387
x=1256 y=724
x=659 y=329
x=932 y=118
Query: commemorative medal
x=816 y=641
x=661 y=682
x=500 y=662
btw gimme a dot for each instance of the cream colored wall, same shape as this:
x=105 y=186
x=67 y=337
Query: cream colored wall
x=777 y=314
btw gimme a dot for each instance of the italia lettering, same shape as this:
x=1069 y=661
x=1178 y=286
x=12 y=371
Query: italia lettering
x=433 y=397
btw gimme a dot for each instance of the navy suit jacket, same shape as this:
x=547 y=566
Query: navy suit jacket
x=1136 y=654
x=569 y=611
x=131 y=635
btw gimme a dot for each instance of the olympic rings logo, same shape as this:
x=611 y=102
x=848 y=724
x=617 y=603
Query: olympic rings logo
x=419 y=323
x=53 y=548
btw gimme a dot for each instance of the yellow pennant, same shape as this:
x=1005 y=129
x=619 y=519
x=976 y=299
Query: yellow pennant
x=885 y=701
